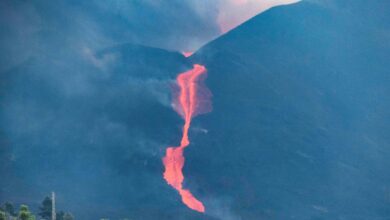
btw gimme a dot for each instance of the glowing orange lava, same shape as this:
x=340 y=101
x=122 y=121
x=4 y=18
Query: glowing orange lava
x=192 y=99
x=187 y=54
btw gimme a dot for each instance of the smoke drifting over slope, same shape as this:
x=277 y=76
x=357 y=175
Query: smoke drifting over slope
x=28 y=26
x=235 y=12
x=299 y=128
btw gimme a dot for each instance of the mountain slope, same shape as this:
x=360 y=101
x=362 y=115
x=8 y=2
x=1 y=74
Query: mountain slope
x=300 y=127
x=92 y=127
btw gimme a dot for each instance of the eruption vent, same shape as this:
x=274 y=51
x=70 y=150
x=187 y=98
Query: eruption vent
x=187 y=54
x=193 y=98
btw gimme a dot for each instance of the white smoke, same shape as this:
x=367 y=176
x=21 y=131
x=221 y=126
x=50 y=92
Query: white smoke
x=232 y=13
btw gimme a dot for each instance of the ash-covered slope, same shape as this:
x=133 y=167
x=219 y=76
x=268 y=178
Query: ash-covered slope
x=92 y=127
x=300 y=127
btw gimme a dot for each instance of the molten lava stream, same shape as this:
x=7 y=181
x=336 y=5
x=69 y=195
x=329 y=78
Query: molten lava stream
x=192 y=100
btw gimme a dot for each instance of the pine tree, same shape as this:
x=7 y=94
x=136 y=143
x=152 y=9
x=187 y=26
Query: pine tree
x=45 y=208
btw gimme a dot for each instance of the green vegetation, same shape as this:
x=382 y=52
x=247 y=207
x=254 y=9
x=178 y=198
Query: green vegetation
x=45 y=208
x=9 y=208
x=68 y=216
x=2 y=215
x=25 y=214
x=64 y=216
x=7 y=212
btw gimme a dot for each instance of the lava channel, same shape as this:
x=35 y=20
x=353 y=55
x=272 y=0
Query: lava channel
x=193 y=98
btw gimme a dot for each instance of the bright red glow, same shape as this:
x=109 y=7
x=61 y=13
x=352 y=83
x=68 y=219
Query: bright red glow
x=193 y=98
x=187 y=54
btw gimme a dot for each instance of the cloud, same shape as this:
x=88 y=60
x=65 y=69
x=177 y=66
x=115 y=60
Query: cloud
x=30 y=27
x=234 y=12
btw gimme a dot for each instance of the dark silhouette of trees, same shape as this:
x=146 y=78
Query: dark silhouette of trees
x=8 y=208
x=60 y=215
x=45 y=208
x=7 y=212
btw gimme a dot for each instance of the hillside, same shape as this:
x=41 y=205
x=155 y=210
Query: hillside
x=300 y=125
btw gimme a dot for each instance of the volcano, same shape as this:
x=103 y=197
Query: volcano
x=300 y=113
x=299 y=127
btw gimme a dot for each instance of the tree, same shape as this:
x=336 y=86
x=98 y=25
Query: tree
x=25 y=214
x=9 y=209
x=45 y=208
x=68 y=216
x=64 y=216
x=2 y=215
x=60 y=215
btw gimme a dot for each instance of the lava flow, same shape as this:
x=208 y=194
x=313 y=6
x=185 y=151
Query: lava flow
x=193 y=98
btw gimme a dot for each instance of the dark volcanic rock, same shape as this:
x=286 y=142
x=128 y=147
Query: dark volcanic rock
x=299 y=130
x=300 y=127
